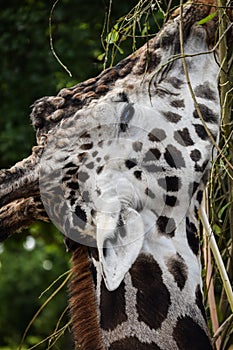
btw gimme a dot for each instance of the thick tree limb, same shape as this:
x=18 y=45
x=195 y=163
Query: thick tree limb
x=20 y=214
x=20 y=203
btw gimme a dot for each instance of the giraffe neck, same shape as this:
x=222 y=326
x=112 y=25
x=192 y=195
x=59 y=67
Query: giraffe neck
x=159 y=304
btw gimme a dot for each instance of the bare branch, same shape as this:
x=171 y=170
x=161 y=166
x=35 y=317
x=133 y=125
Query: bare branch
x=20 y=214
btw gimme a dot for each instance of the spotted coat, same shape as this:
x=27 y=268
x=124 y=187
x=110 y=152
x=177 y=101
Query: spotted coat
x=125 y=176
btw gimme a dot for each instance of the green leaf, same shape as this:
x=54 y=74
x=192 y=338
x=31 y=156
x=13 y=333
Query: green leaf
x=207 y=18
x=221 y=211
x=217 y=230
x=113 y=36
x=101 y=56
x=145 y=29
x=119 y=49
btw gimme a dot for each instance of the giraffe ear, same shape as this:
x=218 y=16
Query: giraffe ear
x=119 y=246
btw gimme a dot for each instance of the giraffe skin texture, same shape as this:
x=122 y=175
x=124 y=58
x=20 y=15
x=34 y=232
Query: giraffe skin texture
x=125 y=176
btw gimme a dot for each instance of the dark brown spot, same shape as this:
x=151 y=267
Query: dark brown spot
x=70 y=165
x=72 y=201
x=94 y=154
x=99 y=169
x=73 y=185
x=72 y=171
x=85 y=135
x=86 y=146
x=192 y=237
x=80 y=218
x=130 y=163
x=170 y=183
x=195 y=155
x=177 y=267
x=153 y=154
x=166 y=226
x=130 y=87
x=137 y=146
x=86 y=196
x=66 y=178
x=152 y=168
x=112 y=306
x=83 y=176
x=149 y=193
x=177 y=103
x=126 y=116
x=189 y=335
x=174 y=157
x=122 y=97
x=100 y=143
x=130 y=343
x=201 y=132
x=171 y=200
x=90 y=165
x=82 y=156
x=138 y=174
x=204 y=91
x=106 y=158
x=72 y=193
x=208 y=115
x=172 y=117
x=153 y=302
x=157 y=135
x=183 y=137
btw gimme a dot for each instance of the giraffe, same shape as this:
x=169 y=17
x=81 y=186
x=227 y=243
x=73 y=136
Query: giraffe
x=124 y=176
x=132 y=167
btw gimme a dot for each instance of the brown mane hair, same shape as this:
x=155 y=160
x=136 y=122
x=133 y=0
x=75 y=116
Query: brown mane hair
x=83 y=308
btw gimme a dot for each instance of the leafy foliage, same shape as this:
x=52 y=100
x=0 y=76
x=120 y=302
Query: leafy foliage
x=29 y=264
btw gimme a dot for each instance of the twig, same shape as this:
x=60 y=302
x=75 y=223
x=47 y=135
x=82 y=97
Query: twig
x=223 y=326
x=41 y=308
x=217 y=255
x=210 y=284
x=51 y=40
